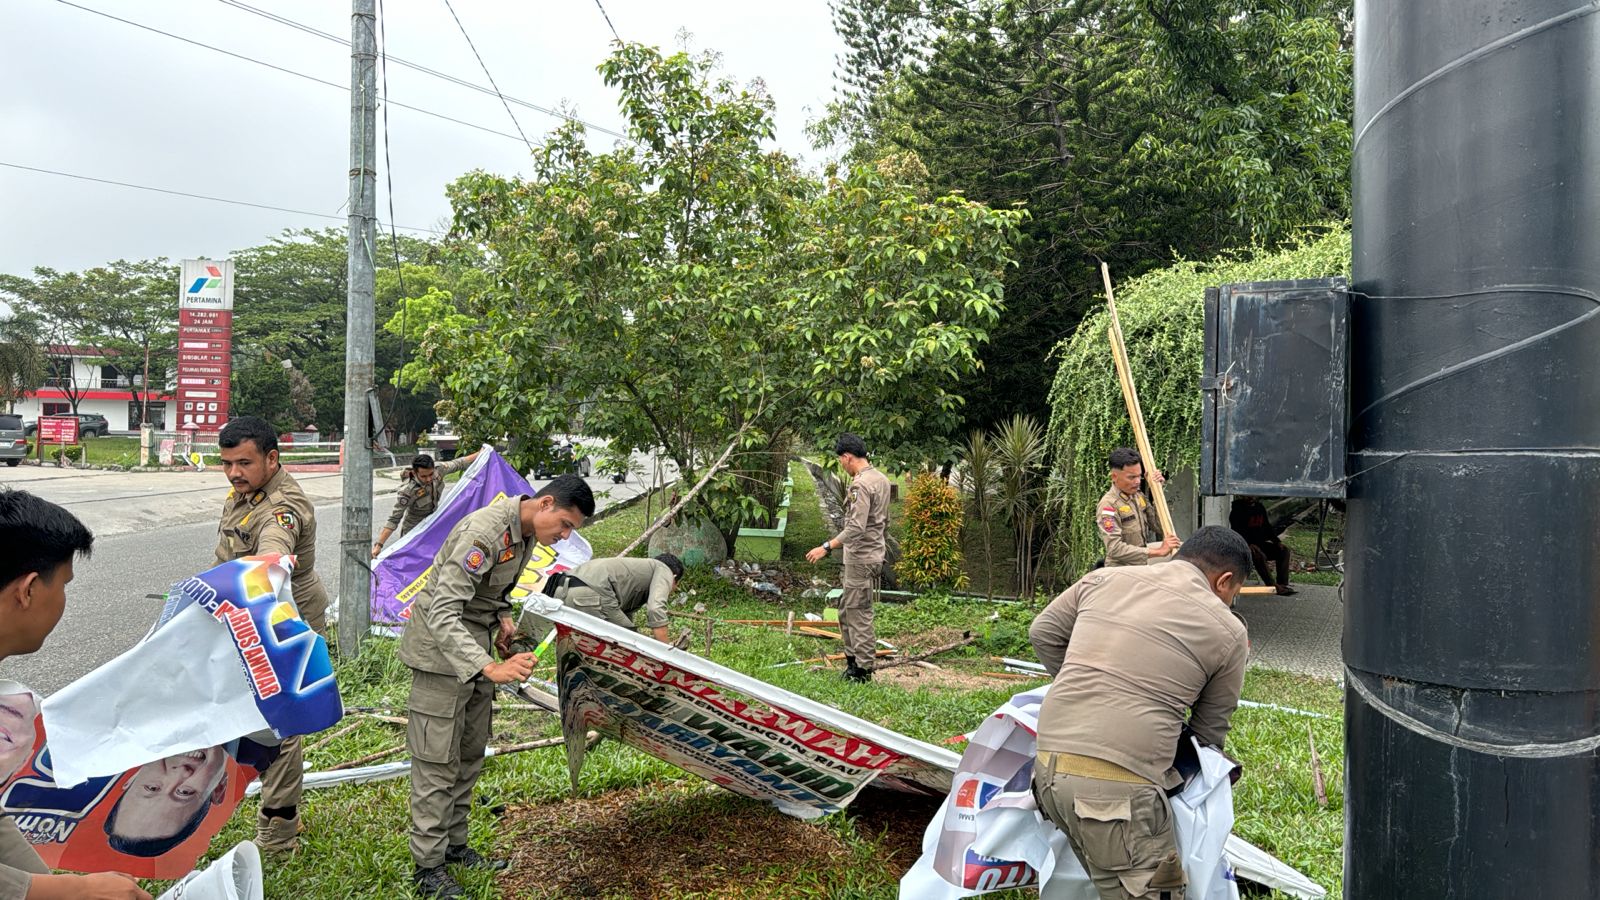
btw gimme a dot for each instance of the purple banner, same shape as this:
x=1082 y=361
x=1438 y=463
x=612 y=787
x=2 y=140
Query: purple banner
x=402 y=569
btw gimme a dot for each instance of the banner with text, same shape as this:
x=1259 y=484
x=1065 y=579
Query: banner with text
x=205 y=344
x=229 y=656
x=402 y=569
x=754 y=739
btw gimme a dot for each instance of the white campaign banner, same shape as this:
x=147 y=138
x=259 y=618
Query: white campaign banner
x=989 y=835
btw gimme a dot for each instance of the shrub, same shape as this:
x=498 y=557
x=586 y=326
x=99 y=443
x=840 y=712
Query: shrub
x=931 y=547
x=74 y=453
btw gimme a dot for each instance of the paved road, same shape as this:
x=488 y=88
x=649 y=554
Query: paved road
x=153 y=529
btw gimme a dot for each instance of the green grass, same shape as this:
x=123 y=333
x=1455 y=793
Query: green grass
x=357 y=844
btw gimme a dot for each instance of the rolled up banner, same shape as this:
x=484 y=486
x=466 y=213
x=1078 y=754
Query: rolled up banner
x=236 y=875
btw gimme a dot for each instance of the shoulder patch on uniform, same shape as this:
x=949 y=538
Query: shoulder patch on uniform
x=476 y=560
x=505 y=538
x=1108 y=521
x=506 y=555
x=422 y=492
x=285 y=519
x=1141 y=501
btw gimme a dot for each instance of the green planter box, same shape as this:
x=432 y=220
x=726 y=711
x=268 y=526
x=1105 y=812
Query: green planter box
x=766 y=544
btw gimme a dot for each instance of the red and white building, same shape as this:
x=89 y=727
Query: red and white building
x=113 y=391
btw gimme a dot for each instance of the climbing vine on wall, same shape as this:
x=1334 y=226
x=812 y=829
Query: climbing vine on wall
x=1163 y=316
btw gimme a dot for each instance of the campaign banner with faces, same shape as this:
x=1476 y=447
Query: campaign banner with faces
x=152 y=821
x=403 y=568
x=763 y=742
x=229 y=656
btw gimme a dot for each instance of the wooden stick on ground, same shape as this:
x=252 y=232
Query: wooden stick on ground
x=1130 y=395
x=1318 y=784
x=966 y=639
x=330 y=738
x=369 y=758
x=788 y=624
x=684 y=500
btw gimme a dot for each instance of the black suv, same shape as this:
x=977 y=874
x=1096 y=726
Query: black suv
x=89 y=425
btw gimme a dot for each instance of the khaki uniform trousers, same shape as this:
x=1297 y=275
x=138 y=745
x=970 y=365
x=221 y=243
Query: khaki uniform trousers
x=446 y=737
x=1121 y=830
x=19 y=862
x=280 y=783
x=860 y=585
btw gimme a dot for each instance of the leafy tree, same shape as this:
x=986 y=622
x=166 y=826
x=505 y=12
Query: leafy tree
x=1135 y=131
x=132 y=318
x=693 y=286
x=22 y=359
x=58 y=304
x=1163 y=316
x=931 y=550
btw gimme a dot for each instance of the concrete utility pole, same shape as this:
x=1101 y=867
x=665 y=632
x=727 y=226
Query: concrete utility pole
x=1472 y=594
x=355 y=585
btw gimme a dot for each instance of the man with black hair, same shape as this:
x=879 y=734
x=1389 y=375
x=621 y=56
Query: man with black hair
x=421 y=486
x=1131 y=650
x=865 y=538
x=614 y=589
x=166 y=801
x=267 y=512
x=459 y=619
x=1249 y=518
x=38 y=543
x=1125 y=520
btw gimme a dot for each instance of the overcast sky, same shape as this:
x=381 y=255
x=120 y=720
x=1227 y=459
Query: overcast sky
x=86 y=95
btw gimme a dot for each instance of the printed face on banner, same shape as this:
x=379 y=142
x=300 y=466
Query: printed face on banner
x=17 y=733
x=154 y=821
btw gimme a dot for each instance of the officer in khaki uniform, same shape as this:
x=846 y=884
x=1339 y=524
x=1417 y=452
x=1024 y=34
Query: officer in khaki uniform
x=38 y=543
x=864 y=539
x=1131 y=650
x=614 y=589
x=266 y=512
x=460 y=617
x=418 y=495
x=1125 y=520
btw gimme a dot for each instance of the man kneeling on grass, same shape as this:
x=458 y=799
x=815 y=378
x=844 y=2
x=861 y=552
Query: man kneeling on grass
x=448 y=646
x=1132 y=649
x=615 y=588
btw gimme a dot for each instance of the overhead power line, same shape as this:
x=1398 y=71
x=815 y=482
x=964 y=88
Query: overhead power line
x=485 y=67
x=158 y=190
x=607 y=17
x=418 y=67
x=251 y=59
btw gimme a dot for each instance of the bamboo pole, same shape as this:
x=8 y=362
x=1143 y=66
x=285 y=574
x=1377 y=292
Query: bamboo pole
x=1130 y=395
x=684 y=501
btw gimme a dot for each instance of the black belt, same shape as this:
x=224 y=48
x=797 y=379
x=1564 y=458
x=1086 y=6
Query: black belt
x=561 y=581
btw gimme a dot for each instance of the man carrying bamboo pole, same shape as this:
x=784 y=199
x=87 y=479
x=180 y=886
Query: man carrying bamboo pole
x=1125 y=520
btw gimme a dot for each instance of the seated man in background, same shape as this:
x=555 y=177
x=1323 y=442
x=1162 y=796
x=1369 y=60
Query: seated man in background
x=1249 y=518
x=614 y=589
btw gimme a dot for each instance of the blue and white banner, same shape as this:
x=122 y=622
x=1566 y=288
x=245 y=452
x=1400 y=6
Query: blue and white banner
x=229 y=657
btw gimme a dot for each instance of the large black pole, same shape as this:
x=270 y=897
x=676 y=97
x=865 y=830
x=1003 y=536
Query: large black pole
x=1472 y=618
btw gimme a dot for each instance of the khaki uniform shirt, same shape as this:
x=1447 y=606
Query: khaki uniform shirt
x=19 y=862
x=866 y=519
x=1125 y=525
x=618 y=587
x=415 y=501
x=278 y=518
x=453 y=620
x=1131 y=650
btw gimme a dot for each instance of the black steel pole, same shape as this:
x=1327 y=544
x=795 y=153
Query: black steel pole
x=1472 y=617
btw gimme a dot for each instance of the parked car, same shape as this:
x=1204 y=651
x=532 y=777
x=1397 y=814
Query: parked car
x=562 y=459
x=89 y=425
x=13 y=439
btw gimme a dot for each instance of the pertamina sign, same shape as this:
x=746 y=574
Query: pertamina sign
x=205 y=344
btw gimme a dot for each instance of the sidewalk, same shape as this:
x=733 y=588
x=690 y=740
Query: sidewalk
x=1296 y=634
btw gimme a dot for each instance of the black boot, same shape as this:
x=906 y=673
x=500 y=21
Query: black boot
x=436 y=884
x=854 y=672
x=472 y=859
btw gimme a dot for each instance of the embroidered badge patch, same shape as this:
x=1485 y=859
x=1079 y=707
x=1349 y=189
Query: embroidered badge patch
x=1108 y=521
x=475 y=560
x=506 y=555
x=1124 y=509
x=285 y=519
x=422 y=492
x=1141 y=501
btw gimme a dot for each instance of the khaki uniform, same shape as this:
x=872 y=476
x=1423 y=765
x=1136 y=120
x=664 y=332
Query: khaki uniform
x=19 y=862
x=415 y=501
x=865 y=538
x=279 y=518
x=447 y=643
x=1131 y=651
x=616 y=588
x=1125 y=525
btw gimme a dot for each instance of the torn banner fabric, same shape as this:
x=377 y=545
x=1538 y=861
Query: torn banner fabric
x=989 y=835
x=229 y=657
x=805 y=758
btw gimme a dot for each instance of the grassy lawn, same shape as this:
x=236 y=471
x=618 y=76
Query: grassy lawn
x=639 y=827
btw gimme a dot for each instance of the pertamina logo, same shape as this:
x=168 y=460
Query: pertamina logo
x=209 y=282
